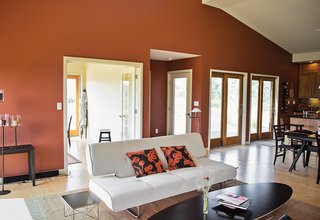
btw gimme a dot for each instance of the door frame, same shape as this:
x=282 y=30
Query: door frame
x=276 y=99
x=262 y=135
x=188 y=72
x=139 y=77
x=244 y=102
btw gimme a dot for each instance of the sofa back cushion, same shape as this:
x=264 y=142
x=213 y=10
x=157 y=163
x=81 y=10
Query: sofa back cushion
x=110 y=157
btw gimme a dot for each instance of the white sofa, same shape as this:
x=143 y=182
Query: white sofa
x=114 y=182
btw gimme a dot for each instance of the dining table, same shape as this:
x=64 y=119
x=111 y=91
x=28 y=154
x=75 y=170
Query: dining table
x=307 y=139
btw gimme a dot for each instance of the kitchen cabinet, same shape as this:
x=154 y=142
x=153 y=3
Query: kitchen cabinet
x=309 y=85
x=316 y=88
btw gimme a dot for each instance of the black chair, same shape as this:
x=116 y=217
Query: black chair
x=105 y=135
x=311 y=148
x=318 y=145
x=281 y=148
x=68 y=131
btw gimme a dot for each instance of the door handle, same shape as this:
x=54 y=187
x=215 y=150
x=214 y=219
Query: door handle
x=123 y=116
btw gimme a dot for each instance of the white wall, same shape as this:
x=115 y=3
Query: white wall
x=78 y=68
x=103 y=84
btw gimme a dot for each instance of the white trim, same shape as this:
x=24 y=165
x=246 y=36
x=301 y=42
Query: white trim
x=65 y=115
x=244 y=102
x=276 y=98
x=188 y=73
x=67 y=59
x=227 y=71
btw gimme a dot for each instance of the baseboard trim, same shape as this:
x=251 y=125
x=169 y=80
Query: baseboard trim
x=13 y=179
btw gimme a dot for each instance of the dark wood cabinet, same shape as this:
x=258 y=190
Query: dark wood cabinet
x=316 y=86
x=309 y=85
x=305 y=85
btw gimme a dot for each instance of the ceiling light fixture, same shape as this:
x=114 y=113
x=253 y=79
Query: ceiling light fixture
x=169 y=58
x=311 y=61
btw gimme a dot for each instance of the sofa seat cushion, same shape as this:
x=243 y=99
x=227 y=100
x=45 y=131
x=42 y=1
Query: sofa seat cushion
x=191 y=177
x=218 y=171
x=121 y=193
x=164 y=184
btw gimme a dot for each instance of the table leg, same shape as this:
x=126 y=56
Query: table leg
x=297 y=156
x=31 y=164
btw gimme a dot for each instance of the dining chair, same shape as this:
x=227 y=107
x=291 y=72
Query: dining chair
x=318 y=148
x=68 y=131
x=281 y=147
x=314 y=148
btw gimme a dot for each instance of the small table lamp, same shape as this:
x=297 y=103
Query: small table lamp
x=195 y=114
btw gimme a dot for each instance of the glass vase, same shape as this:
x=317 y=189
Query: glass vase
x=205 y=200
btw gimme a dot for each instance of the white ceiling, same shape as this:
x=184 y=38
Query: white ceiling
x=163 y=55
x=292 y=24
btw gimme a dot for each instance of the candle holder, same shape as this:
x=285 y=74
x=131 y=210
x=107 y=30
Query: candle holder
x=4 y=123
x=15 y=122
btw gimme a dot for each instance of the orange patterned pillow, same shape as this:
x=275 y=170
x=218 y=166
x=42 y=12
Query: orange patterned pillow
x=177 y=157
x=145 y=162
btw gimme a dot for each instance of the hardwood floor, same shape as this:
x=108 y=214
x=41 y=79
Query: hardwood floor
x=254 y=164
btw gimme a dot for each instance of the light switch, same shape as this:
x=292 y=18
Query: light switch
x=59 y=106
x=196 y=103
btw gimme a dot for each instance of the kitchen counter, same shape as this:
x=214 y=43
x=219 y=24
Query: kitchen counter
x=309 y=123
x=300 y=116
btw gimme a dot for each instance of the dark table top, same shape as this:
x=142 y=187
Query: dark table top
x=81 y=199
x=266 y=197
x=16 y=149
x=305 y=135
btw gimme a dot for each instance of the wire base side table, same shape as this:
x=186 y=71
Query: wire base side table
x=84 y=203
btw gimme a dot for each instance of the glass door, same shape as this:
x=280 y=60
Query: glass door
x=179 y=102
x=226 y=109
x=128 y=109
x=262 y=107
x=73 y=103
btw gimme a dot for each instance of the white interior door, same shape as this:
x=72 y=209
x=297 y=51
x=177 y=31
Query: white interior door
x=179 y=102
x=128 y=106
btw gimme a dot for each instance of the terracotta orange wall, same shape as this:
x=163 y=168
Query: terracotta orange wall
x=158 y=97
x=36 y=35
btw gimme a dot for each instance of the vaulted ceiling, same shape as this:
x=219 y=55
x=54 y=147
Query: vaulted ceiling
x=294 y=25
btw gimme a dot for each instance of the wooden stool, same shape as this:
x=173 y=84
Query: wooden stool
x=107 y=136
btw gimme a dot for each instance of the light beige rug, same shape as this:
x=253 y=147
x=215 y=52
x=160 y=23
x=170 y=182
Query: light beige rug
x=72 y=159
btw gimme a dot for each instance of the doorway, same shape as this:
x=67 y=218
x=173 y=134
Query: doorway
x=179 y=102
x=226 y=108
x=262 y=107
x=114 y=98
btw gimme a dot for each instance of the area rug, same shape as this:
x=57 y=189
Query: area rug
x=52 y=207
x=13 y=209
x=72 y=159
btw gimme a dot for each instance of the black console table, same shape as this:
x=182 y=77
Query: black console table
x=27 y=148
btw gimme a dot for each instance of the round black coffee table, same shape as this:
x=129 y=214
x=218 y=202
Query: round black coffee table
x=266 y=198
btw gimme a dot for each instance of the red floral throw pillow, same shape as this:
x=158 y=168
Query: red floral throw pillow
x=145 y=162
x=177 y=157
